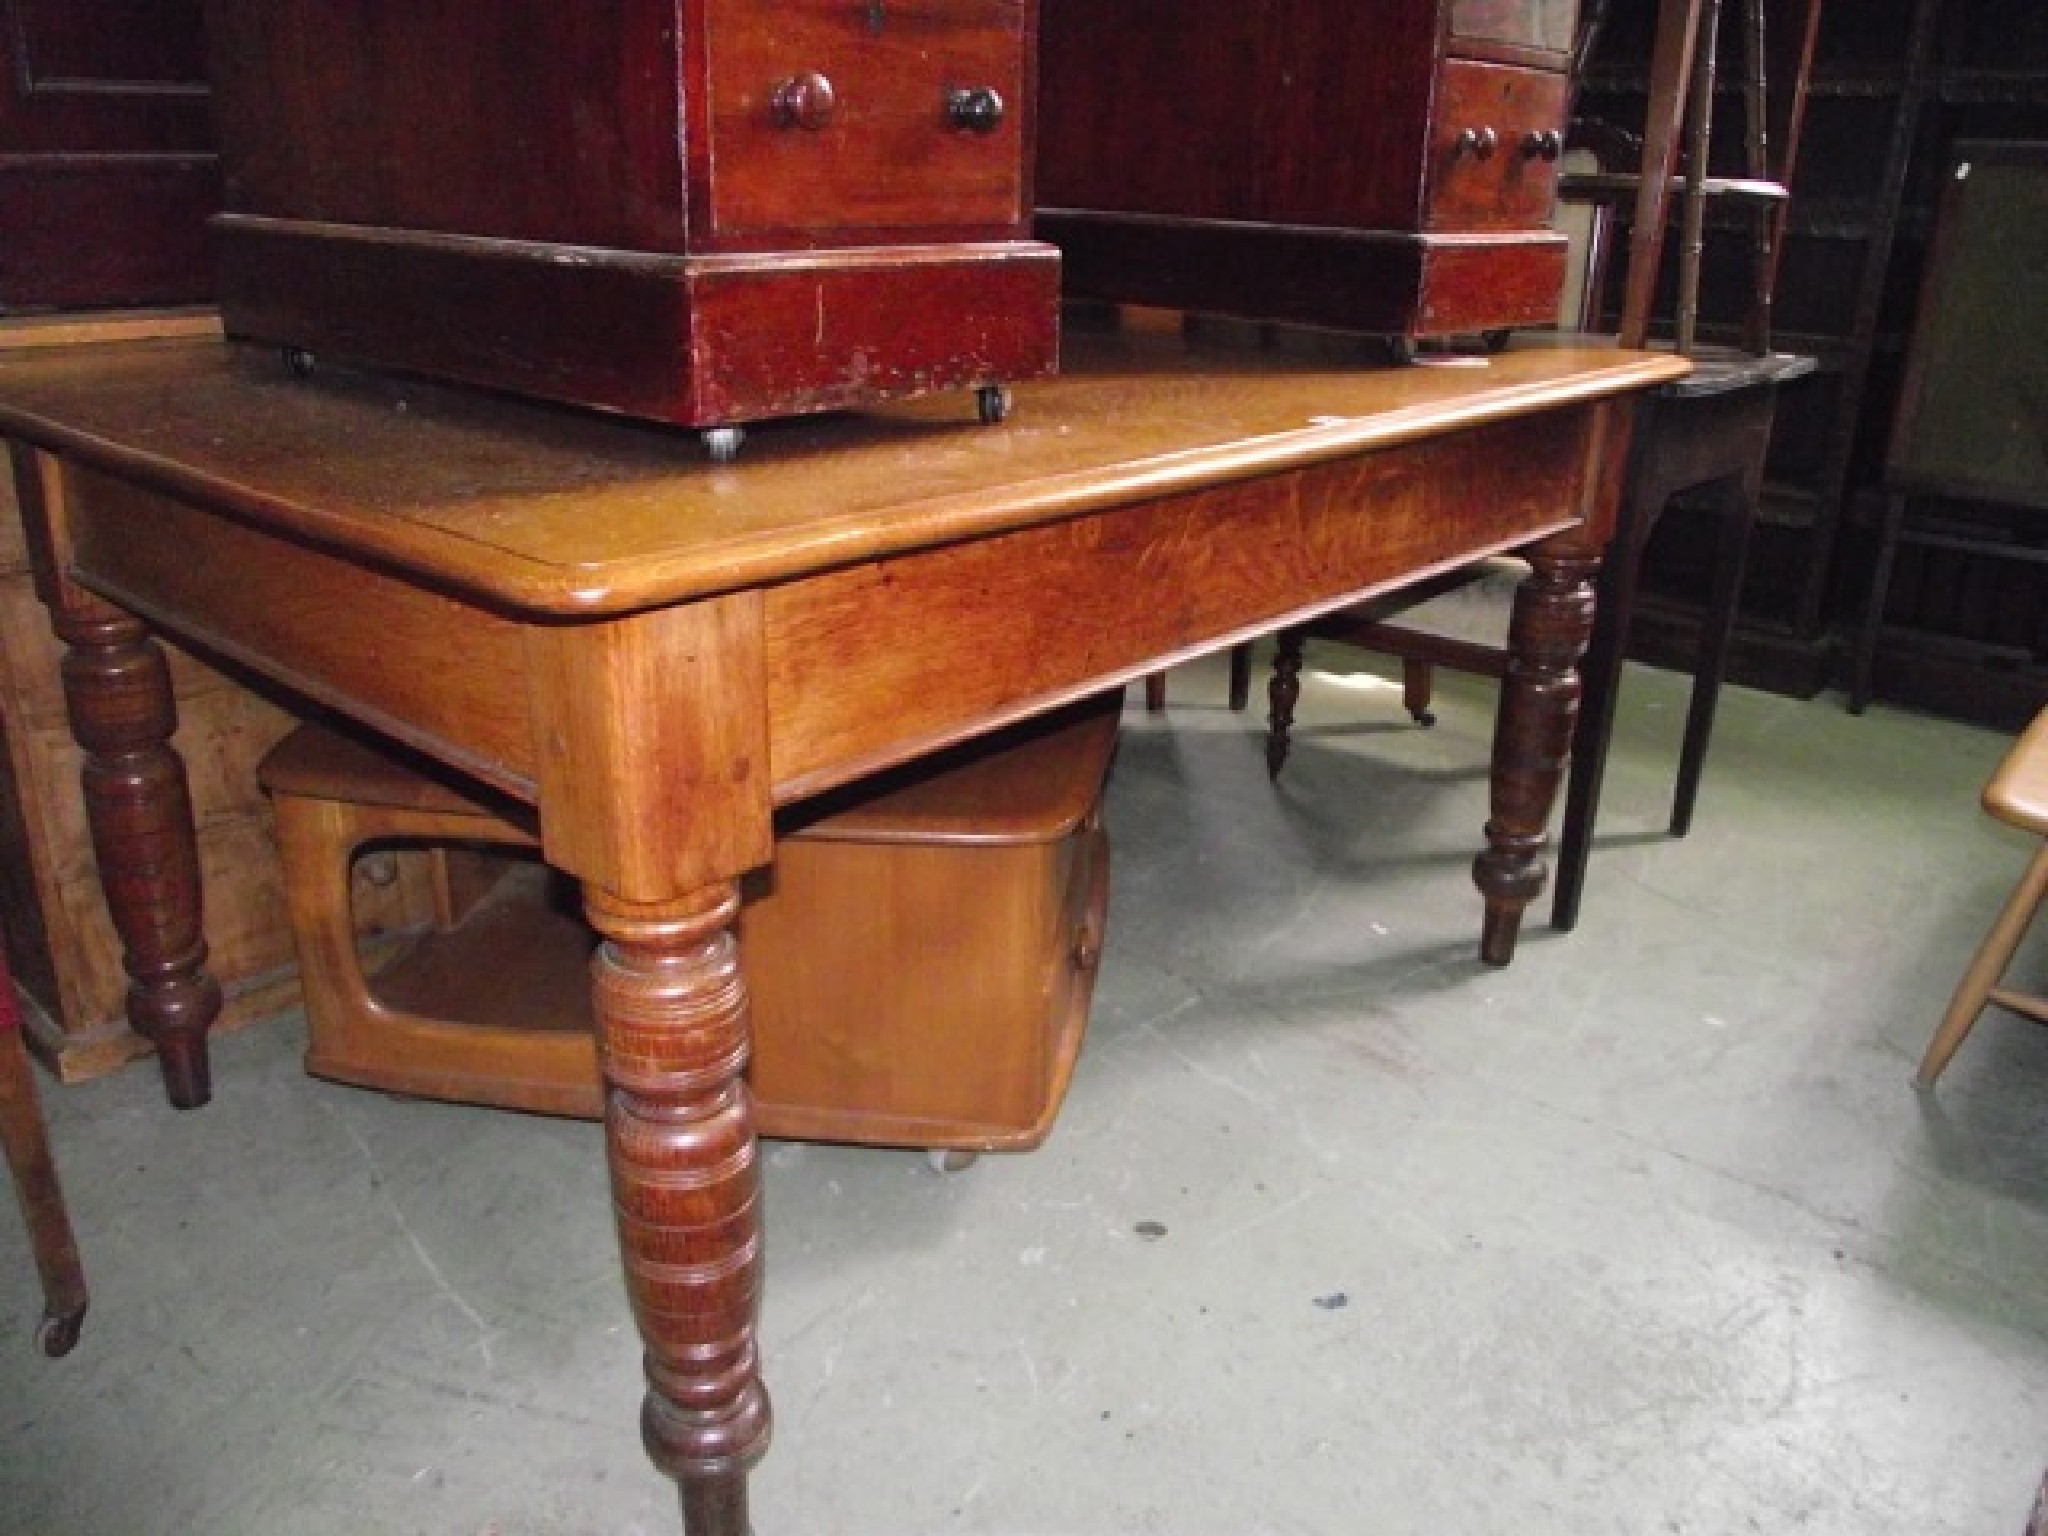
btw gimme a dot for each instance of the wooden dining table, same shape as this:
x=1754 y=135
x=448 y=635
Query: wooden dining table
x=657 y=651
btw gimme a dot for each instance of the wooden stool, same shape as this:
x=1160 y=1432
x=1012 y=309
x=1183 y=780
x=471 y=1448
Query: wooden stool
x=2017 y=794
x=35 y=1182
x=920 y=956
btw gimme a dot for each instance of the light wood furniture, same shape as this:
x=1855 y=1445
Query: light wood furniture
x=656 y=653
x=27 y=1145
x=920 y=955
x=1384 y=168
x=2018 y=796
x=699 y=211
x=66 y=954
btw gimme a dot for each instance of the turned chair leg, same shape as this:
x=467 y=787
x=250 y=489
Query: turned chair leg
x=1979 y=985
x=1418 y=688
x=35 y=1182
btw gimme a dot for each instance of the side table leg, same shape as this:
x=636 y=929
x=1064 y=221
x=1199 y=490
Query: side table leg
x=1282 y=694
x=671 y=1011
x=1539 y=698
x=117 y=691
x=27 y=1144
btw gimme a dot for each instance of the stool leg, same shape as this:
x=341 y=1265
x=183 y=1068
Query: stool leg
x=1991 y=959
x=35 y=1182
x=1738 y=516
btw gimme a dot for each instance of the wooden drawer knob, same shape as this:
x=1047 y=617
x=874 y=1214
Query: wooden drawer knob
x=1477 y=144
x=805 y=101
x=976 y=108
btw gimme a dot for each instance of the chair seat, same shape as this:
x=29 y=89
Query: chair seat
x=1614 y=186
x=2017 y=795
x=2018 y=791
x=1723 y=370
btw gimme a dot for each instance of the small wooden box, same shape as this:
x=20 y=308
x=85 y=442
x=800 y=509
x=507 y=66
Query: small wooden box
x=1386 y=168
x=920 y=955
x=697 y=211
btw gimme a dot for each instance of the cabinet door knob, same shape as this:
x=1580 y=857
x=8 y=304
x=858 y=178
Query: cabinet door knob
x=1543 y=144
x=1477 y=144
x=805 y=101
x=976 y=108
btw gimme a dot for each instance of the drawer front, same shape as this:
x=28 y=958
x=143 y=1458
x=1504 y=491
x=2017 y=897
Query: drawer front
x=865 y=114
x=1493 y=143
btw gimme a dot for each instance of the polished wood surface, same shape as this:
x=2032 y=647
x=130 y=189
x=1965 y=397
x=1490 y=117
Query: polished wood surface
x=1384 y=168
x=655 y=652
x=699 y=211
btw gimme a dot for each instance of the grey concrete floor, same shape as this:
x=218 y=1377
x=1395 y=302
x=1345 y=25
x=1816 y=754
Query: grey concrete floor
x=1647 y=1233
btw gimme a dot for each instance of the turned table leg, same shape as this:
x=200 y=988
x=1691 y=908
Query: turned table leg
x=671 y=1011
x=1539 y=697
x=117 y=691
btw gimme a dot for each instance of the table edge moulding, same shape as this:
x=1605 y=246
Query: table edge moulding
x=656 y=652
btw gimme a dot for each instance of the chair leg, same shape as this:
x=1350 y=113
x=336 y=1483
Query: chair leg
x=1738 y=517
x=1872 y=627
x=1282 y=694
x=1599 y=685
x=1989 y=963
x=1418 y=687
x=1155 y=692
x=1240 y=675
x=35 y=1182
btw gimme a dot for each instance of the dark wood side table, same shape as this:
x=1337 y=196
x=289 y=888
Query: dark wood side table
x=656 y=652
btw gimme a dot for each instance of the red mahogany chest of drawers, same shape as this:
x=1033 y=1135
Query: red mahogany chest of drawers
x=1376 y=165
x=697 y=211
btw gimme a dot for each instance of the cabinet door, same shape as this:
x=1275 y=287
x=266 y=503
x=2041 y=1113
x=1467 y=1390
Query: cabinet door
x=107 y=171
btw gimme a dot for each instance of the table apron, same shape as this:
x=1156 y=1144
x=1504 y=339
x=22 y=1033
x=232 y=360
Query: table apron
x=878 y=663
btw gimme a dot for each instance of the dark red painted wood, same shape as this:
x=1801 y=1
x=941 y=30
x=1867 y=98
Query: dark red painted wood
x=1306 y=162
x=107 y=172
x=703 y=211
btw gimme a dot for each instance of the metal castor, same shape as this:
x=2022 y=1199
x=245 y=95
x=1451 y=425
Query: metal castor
x=950 y=1159
x=722 y=444
x=299 y=362
x=1496 y=339
x=992 y=402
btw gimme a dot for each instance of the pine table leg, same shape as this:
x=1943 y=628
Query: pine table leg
x=1539 y=698
x=117 y=690
x=671 y=1009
